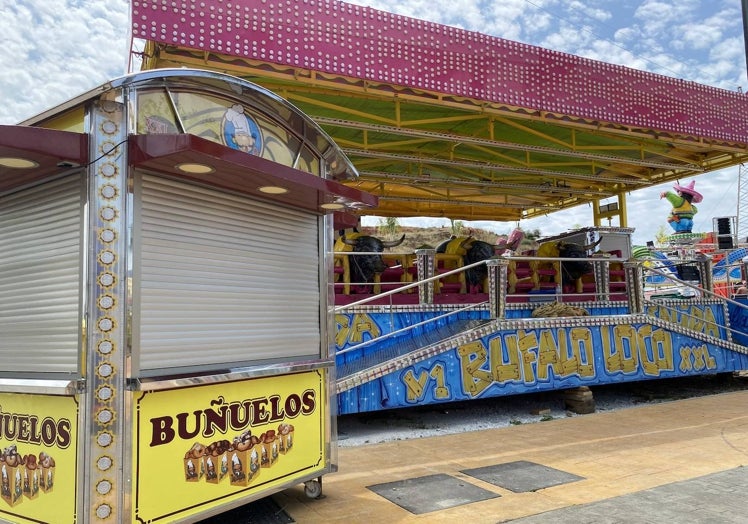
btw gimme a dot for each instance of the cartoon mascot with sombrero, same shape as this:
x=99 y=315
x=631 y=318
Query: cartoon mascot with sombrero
x=683 y=200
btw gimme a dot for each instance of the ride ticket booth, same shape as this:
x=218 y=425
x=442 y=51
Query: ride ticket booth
x=166 y=301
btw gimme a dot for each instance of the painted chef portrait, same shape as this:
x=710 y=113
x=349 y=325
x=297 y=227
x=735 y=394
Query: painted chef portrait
x=241 y=131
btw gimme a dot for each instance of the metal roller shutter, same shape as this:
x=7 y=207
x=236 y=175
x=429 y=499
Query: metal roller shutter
x=40 y=272
x=221 y=278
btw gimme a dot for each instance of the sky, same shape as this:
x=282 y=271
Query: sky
x=54 y=50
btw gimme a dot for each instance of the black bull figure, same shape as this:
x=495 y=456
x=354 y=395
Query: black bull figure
x=571 y=271
x=472 y=251
x=365 y=266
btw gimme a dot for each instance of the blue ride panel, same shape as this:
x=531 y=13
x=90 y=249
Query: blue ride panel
x=739 y=321
x=522 y=361
x=732 y=262
x=355 y=329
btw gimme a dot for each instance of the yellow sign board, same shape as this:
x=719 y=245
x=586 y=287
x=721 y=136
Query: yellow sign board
x=204 y=446
x=38 y=458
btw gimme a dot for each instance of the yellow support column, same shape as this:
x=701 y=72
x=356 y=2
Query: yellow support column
x=610 y=211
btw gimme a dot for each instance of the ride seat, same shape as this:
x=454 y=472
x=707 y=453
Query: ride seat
x=342 y=264
x=399 y=270
x=616 y=273
x=520 y=276
x=588 y=284
x=342 y=273
x=444 y=263
x=546 y=274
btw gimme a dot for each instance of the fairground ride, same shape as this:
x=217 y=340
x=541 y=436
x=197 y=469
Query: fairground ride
x=444 y=122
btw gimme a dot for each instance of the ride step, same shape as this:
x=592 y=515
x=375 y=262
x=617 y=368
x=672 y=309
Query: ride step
x=397 y=352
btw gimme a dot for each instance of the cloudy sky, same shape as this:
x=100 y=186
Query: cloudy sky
x=56 y=49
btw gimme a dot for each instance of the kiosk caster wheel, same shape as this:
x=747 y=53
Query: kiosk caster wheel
x=313 y=488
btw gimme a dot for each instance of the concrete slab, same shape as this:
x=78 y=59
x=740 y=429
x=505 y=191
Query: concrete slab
x=522 y=476
x=431 y=493
x=711 y=499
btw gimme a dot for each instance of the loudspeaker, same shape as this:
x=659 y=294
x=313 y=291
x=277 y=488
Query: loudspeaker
x=724 y=242
x=723 y=226
x=689 y=273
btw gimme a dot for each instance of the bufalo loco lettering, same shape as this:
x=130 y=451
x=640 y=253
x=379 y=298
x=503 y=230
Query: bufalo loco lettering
x=235 y=416
x=23 y=427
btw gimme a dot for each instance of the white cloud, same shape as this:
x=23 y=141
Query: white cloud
x=56 y=49
x=583 y=10
x=662 y=17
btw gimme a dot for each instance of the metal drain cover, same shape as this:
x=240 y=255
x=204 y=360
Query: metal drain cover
x=522 y=476
x=431 y=493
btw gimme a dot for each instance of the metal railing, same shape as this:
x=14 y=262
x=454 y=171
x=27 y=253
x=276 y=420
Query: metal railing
x=546 y=287
x=635 y=274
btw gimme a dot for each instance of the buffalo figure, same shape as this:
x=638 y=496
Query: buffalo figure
x=571 y=271
x=471 y=251
x=364 y=266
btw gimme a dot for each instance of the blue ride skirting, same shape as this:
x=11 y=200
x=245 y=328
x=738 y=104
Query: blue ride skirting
x=557 y=357
x=739 y=321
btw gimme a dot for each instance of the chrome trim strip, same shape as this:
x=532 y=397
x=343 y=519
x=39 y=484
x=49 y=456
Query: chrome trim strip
x=61 y=387
x=309 y=132
x=231 y=375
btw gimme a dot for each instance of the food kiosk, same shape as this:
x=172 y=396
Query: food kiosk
x=165 y=301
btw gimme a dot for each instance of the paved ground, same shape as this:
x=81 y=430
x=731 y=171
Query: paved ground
x=679 y=461
x=717 y=499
